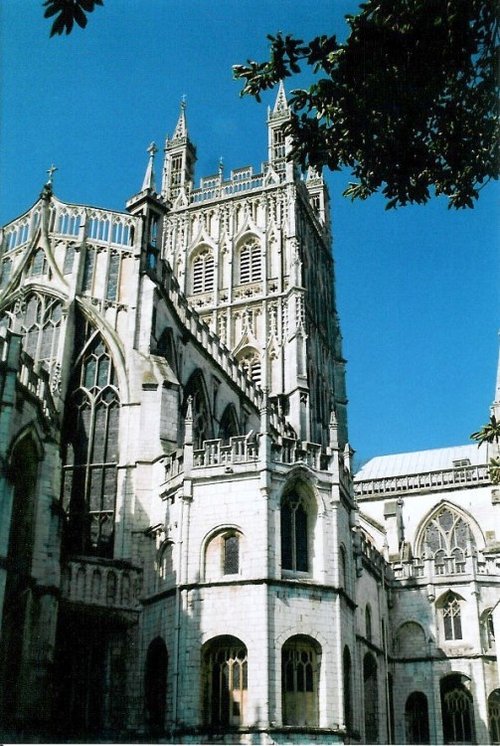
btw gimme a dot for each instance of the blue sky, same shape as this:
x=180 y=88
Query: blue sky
x=417 y=288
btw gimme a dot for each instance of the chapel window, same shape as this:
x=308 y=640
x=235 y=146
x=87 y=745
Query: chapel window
x=300 y=660
x=446 y=539
x=225 y=682
x=452 y=618
x=91 y=452
x=457 y=709
x=39 y=320
x=294 y=533
x=368 y=623
x=494 y=715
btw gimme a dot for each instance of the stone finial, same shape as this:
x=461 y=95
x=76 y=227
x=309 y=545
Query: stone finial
x=281 y=104
x=181 y=126
x=334 y=430
x=149 y=177
x=188 y=422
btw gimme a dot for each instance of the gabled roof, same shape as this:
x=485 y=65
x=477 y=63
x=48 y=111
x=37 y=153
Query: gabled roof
x=418 y=462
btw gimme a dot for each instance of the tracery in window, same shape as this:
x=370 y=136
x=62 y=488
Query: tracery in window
x=446 y=539
x=250 y=261
x=294 y=533
x=457 y=709
x=225 y=684
x=452 y=617
x=39 y=320
x=494 y=715
x=203 y=271
x=300 y=661
x=231 y=554
x=91 y=451
x=6 y=270
x=113 y=275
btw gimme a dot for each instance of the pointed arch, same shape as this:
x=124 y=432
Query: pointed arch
x=196 y=390
x=250 y=259
x=446 y=535
x=228 y=426
x=90 y=445
x=298 y=515
x=202 y=269
x=155 y=685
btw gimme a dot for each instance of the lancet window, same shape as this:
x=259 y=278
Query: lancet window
x=452 y=617
x=91 y=451
x=294 y=534
x=446 y=538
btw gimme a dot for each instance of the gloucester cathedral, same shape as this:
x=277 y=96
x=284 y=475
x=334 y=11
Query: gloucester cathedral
x=186 y=553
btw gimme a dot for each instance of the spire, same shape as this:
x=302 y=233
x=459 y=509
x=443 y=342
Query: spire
x=281 y=104
x=149 y=176
x=181 y=126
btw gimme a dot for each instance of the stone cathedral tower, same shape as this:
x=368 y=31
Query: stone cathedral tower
x=184 y=553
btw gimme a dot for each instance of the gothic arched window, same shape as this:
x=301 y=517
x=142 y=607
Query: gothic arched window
x=370 y=681
x=39 y=320
x=91 y=451
x=294 y=533
x=347 y=682
x=494 y=715
x=446 y=538
x=487 y=629
x=155 y=685
x=228 y=427
x=300 y=660
x=203 y=271
x=452 y=616
x=456 y=710
x=250 y=261
x=225 y=684
x=417 y=718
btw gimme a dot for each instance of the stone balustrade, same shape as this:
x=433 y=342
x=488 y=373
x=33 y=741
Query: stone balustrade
x=428 y=481
x=240 y=180
x=98 y=582
x=240 y=449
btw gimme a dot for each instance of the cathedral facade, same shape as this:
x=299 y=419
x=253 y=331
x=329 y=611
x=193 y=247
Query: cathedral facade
x=185 y=553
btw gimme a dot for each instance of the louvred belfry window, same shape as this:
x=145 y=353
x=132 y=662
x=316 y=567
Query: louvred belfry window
x=250 y=262
x=203 y=272
x=91 y=452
